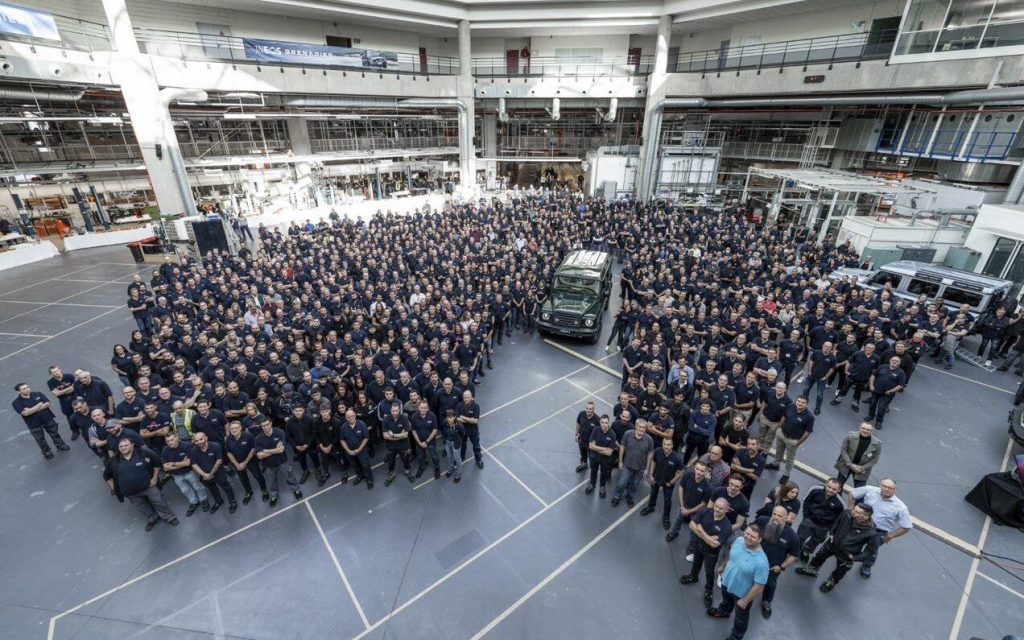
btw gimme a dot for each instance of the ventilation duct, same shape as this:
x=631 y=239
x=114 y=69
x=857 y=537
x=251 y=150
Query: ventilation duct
x=340 y=102
x=502 y=111
x=49 y=96
x=613 y=110
x=556 y=109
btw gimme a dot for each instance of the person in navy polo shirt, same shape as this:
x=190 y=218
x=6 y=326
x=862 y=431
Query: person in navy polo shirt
x=694 y=494
x=240 y=448
x=34 y=409
x=354 y=440
x=270 y=451
x=887 y=380
x=208 y=463
x=96 y=392
x=62 y=385
x=133 y=474
x=781 y=545
x=663 y=472
x=425 y=434
x=710 y=530
x=797 y=425
x=586 y=420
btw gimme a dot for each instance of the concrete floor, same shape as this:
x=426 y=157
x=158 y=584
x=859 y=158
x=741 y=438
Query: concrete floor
x=514 y=551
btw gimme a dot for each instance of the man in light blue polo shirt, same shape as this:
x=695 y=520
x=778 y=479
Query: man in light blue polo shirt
x=891 y=517
x=744 y=574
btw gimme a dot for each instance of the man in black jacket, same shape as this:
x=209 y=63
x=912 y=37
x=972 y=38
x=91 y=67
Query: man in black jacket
x=133 y=474
x=853 y=539
x=821 y=508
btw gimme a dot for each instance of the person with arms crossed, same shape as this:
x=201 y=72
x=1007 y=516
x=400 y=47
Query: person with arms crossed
x=133 y=474
x=663 y=472
x=34 y=409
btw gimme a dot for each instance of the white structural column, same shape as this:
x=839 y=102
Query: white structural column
x=656 y=92
x=149 y=114
x=467 y=151
x=298 y=137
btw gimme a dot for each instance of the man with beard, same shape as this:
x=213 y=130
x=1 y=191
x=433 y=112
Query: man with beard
x=851 y=540
x=821 y=508
x=781 y=545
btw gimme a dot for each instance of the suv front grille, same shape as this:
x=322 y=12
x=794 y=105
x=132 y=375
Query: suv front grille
x=566 y=319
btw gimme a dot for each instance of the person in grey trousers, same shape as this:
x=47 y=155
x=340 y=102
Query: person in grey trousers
x=276 y=467
x=177 y=463
x=858 y=454
x=133 y=474
x=635 y=452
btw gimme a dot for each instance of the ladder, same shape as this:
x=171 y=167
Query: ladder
x=973 y=359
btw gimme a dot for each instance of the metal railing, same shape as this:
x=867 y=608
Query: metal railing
x=560 y=66
x=855 y=47
x=233 y=148
x=374 y=144
x=75 y=35
x=195 y=46
x=777 y=151
x=68 y=153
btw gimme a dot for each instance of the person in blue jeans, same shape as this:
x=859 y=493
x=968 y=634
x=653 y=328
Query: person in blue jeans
x=823 y=362
x=635 y=452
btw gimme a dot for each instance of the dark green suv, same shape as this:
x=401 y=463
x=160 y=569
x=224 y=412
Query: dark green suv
x=579 y=294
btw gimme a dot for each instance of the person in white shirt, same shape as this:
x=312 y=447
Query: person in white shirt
x=891 y=517
x=417 y=296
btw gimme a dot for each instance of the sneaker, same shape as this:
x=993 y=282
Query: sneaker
x=647 y=510
x=389 y=480
x=606 y=347
x=670 y=536
x=835 y=401
x=817 y=411
x=410 y=477
x=988 y=363
x=448 y=473
x=437 y=473
x=246 y=498
x=479 y=463
x=205 y=505
x=458 y=476
x=629 y=501
x=304 y=477
x=150 y=524
x=715 y=613
x=232 y=507
x=48 y=455
x=214 y=507
x=665 y=524
x=75 y=436
x=61 y=446
x=809 y=570
x=191 y=509
x=173 y=522
x=783 y=479
x=419 y=472
x=687 y=579
x=273 y=501
x=689 y=557
x=615 y=502
x=709 y=598
x=601 y=494
x=865 y=572
x=774 y=466
x=581 y=467
x=766 y=609
x=827 y=586
x=321 y=480
x=589 y=490
x=298 y=494
x=265 y=496
x=855 y=407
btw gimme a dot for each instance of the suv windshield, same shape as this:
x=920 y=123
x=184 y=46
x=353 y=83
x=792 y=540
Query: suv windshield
x=571 y=285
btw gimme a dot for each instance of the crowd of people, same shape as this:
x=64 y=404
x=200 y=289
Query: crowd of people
x=335 y=339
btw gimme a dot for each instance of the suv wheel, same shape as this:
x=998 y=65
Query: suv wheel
x=597 y=335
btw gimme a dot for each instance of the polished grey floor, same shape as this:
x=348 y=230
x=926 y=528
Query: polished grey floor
x=514 y=551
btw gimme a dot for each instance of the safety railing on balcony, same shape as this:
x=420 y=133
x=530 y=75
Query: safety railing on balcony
x=195 y=46
x=67 y=153
x=336 y=145
x=854 y=47
x=75 y=35
x=774 y=151
x=562 y=66
x=233 y=148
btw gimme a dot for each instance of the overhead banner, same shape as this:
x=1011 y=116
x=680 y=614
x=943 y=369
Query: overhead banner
x=26 y=22
x=301 y=53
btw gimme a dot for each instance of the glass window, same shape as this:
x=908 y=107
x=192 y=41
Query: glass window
x=925 y=15
x=883 y=278
x=968 y=13
x=959 y=296
x=917 y=287
x=999 y=257
x=1015 y=274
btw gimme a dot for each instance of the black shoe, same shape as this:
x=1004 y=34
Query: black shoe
x=214 y=507
x=809 y=570
x=482 y=374
x=835 y=401
x=670 y=536
x=304 y=477
x=369 y=485
x=479 y=463
x=615 y=502
x=448 y=473
x=489 y=365
x=827 y=586
x=75 y=436
x=48 y=455
x=232 y=507
x=647 y=510
x=321 y=480
x=298 y=494
x=855 y=407
x=389 y=480
x=879 y=426
x=273 y=501
x=715 y=613
x=205 y=505
x=805 y=555
x=265 y=495
x=410 y=477
x=246 y=498
x=601 y=494
x=419 y=472
x=766 y=609
x=581 y=467
x=687 y=579
x=1003 y=369
x=783 y=480
x=589 y=490
x=343 y=480
x=665 y=524
x=629 y=501
x=457 y=478
x=817 y=411
x=173 y=522
x=774 y=466
x=150 y=524
x=357 y=480
x=709 y=598
x=63 y=447
x=437 y=473
x=191 y=509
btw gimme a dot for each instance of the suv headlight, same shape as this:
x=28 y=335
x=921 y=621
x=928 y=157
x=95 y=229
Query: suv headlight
x=545 y=316
x=589 y=322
